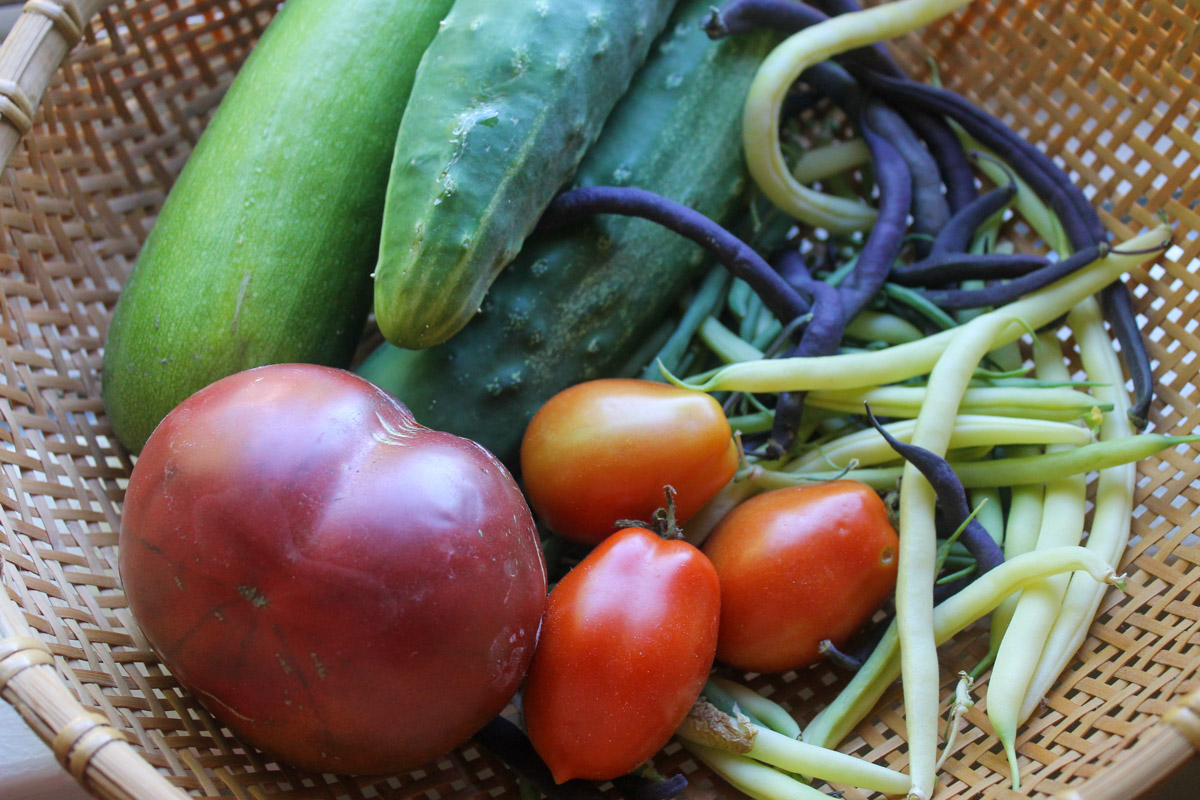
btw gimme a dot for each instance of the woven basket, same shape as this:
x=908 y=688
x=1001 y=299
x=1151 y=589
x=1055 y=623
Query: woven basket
x=1108 y=86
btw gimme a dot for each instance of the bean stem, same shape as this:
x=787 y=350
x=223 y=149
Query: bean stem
x=771 y=714
x=752 y=778
x=708 y=727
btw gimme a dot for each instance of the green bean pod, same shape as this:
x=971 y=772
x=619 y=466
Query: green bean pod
x=1062 y=523
x=1113 y=512
x=1012 y=471
x=867 y=447
x=905 y=361
x=859 y=696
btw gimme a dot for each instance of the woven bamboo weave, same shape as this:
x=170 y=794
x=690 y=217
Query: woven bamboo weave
x=1109 y=87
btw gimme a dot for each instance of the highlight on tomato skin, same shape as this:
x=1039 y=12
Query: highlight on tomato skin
x=626 y=646
x=798 y=566
x=603 y=450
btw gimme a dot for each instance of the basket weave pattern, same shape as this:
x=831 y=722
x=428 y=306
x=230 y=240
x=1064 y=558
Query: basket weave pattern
x=1110 y=87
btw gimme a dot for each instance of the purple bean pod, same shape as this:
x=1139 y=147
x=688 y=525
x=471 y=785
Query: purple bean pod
x=939 y=270
x=1116 y=302
x=1080 y=221
x=793 y=268
x=959 y=230
x=997 y=294
x=883 y=243
x=930 y=209
x=735 y=255
x=953 y=165
x=743 y=16
x=822 y=337
x=951 y=497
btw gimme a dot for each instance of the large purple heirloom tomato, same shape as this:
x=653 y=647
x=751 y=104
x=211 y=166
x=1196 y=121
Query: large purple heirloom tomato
x=342 y=587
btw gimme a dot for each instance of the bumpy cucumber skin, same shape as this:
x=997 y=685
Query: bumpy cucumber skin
x=577 y=304
x=508 y=97
x=264 y=248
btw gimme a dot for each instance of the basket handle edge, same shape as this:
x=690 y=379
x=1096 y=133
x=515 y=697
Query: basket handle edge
x=88 y=746
x=1169 y=744
x=32 y=52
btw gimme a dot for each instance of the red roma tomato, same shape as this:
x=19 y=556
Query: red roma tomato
x=625 y=648
x=797 y=566
x=343 y=588
x=602 y=451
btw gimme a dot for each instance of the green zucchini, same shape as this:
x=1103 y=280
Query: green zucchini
x=508 y=97
x=264 y=248
x=577 y=304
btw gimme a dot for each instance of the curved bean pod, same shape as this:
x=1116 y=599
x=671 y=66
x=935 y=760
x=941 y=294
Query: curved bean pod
x=1016 y=288
x=882 y=246
x=875 y=56
x=1080 y=220
x=781 y=68
x=956 y=234
x=951 y=496
x=929 y=207
x=918 y=547
x=953 y=165
x=939 y=269
x=737 y=256
x=1117 y=303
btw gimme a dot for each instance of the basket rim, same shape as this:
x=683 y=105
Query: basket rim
x=89 y=748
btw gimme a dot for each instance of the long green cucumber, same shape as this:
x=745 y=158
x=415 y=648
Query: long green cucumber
x=576 y=304
x=508 y=97
x=264 y=248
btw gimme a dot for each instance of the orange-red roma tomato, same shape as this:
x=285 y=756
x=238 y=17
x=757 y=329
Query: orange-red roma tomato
x=342 y=587
x=625 y=648
x=797 y=566
x=602 y=451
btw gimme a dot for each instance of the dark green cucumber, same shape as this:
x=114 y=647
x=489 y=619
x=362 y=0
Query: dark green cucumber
x=577 y=304
x=264 y=248
x=508 y=97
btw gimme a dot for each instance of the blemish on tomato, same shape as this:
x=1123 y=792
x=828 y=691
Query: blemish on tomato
x=321 y=670
x=251 y=593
